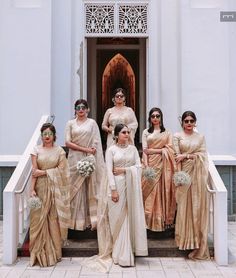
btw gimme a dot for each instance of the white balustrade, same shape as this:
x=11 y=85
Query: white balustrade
x=15 y=194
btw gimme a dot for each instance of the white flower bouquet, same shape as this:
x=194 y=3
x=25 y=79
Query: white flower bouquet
x=34 y=202
x=86 y=166
x=181 y=178
x=149 y=173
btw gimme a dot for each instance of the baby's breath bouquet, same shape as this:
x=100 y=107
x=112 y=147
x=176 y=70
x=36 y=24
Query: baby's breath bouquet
x=181 y=178
x=86 y=166
x=34 y=202
x=149 y=173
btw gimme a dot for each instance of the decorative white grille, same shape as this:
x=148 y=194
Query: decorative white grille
x=99 y=19
x=133 y=19
x=116 y=18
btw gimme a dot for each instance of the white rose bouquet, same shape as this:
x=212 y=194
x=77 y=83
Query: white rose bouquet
x=149 y=173
x=181 y=178
x=86 y=166
x=34 y=202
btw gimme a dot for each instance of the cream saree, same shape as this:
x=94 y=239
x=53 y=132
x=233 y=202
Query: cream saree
x=84 y=191
x=126 y=116
x=159 y=194
x=193 y=200
x=126 y=217
x=49 y=224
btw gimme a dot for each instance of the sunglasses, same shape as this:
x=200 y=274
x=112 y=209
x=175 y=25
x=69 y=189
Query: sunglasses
x=189 y=121
x=157 y=116
x=47 y=133
x=125 y=132
x=119 y=96
x=80 y=107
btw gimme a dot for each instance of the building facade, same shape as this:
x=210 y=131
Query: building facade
x=177 y=55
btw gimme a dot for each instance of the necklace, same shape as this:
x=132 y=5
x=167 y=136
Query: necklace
x=122 y=145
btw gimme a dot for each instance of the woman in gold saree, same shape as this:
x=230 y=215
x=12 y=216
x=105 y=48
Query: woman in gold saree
x=50 y=222
x=120 y=113
x=192 y=200
x=159 y=192
x=126 y=214
x=82 y=137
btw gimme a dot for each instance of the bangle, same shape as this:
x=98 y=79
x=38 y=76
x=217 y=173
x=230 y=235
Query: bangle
x=187 y=156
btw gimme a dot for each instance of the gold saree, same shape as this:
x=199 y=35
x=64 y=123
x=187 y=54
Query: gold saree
x=193 y=200
x=49 y=224
x=126 y=116
x=159 y=194
x=84 y=190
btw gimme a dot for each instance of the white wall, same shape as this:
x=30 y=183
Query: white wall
x=61 y=105
x=205 y=71
x=25 y=70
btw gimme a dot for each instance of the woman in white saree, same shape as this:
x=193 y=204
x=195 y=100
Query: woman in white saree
x=126 y=213
x=82 y=137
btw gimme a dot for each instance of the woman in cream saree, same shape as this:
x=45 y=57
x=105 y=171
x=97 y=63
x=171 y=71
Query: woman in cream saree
x=83 y=138
x=49 y=224
x=126 y=214
x=192 y=200
x=158 y=193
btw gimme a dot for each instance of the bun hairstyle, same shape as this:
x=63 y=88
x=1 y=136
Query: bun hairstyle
x=52 y=129
x=186 y=114
x=151 y=127
x=117 y=130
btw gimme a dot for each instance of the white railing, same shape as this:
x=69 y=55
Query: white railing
x=218 y=215
x=15 y=195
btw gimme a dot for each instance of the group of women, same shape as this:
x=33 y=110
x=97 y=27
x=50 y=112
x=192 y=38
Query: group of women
x=116 y=199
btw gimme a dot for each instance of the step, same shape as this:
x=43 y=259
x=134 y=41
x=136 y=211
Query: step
x=84 y=244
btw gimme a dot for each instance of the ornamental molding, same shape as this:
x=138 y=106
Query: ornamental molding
x=116 y=19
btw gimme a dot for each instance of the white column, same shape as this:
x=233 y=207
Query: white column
x=153 y=56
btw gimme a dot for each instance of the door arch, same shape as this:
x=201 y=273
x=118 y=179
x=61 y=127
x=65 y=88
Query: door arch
x=118 y=73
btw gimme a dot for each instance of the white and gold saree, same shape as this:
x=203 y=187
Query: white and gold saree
x=49 y=224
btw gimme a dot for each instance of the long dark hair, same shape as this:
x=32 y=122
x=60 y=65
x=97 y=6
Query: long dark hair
x=151 y=127
x=186 y=114
x=51 y=127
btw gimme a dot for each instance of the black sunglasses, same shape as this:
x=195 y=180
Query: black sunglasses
x=189 y=121
x=155 y=116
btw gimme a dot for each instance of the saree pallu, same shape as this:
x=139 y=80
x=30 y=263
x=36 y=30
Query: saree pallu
x=159 y=193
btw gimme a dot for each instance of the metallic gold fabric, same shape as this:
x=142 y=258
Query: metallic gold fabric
x=193 y=200
x=159 y=194
x=49 y=224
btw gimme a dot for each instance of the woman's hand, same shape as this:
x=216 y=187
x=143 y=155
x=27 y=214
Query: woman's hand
x=91 y=150
x=118 y=171
x=33 y=193
x=114 y=196
x=152 y=151
x=109 y=129
x=180 y=157
x=38 y=173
